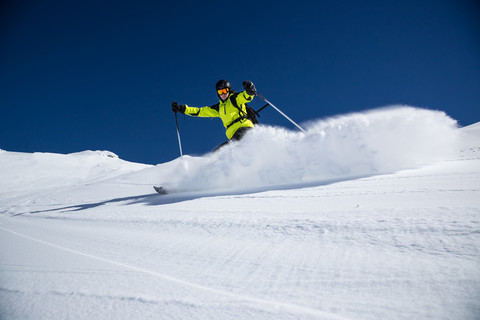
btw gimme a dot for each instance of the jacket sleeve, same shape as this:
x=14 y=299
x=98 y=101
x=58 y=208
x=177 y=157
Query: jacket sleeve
x=201 y=112
x=243 y=97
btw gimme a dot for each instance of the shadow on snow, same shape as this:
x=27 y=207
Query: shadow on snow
x=155 y=199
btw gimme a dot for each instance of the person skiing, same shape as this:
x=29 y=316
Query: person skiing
x=231 y=109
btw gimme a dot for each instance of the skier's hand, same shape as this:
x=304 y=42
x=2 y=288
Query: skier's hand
x=249 y=88
x=178 y=107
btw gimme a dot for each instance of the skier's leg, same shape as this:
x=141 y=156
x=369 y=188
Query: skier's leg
x=240 y=133
x=220 y=146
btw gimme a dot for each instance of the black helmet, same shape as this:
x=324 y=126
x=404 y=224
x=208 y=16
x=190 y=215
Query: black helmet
x=221 y=84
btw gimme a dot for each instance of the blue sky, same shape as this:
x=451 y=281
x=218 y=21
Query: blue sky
x=101 y=75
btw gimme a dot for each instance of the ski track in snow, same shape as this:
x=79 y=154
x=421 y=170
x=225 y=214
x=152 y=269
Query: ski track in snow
x=271 y=304
x=375 y=230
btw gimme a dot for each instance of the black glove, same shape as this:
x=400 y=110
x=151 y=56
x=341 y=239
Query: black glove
x=249 y=87
x=178 y=107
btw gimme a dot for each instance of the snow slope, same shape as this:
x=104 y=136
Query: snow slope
x=373 y=215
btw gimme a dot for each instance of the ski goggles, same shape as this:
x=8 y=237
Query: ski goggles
x=223 y=91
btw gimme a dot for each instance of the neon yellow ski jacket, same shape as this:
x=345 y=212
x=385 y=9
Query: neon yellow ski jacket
x=226 y=111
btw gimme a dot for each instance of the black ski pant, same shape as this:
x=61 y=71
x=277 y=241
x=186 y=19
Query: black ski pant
x=238 y=135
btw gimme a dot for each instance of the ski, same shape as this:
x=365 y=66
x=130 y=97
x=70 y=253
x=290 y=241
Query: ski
x=160 y=190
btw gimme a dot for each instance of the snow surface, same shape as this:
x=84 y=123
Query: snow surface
x=374 y=215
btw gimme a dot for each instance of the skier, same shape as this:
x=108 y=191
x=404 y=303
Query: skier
x=231 y=109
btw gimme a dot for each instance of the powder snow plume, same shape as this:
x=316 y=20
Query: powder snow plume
x=359 y=144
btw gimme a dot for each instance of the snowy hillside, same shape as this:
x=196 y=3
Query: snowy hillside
x=374 y=215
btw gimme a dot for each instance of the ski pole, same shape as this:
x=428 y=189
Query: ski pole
x=283 y=114
x=178 y=135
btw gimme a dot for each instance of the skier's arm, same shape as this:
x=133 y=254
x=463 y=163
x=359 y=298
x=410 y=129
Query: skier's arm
x=248 y=94
x=201 y=112
x=243 y=97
